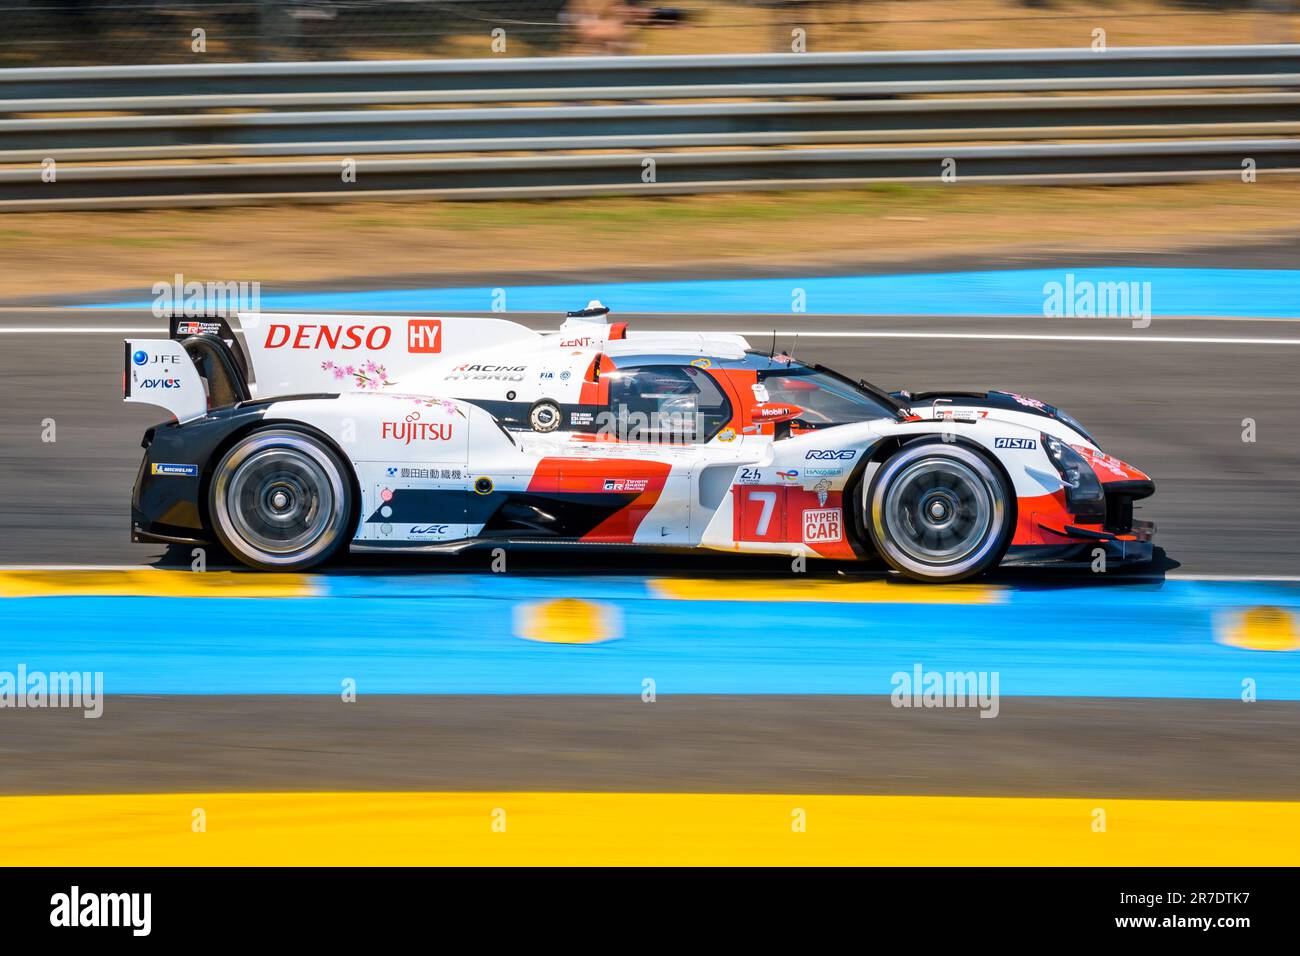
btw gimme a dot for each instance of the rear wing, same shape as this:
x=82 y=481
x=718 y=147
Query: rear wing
x=186 y=378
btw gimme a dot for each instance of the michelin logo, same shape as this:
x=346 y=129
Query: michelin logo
x=185 y=471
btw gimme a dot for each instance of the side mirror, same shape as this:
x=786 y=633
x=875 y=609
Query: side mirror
x=775 y=412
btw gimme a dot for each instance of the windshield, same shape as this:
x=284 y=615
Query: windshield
x=827 y=397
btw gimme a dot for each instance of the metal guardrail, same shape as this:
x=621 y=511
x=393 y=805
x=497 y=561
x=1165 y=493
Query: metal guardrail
x=838 y=99
x=612 y=73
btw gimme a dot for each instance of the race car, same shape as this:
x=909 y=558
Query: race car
x=299 y=436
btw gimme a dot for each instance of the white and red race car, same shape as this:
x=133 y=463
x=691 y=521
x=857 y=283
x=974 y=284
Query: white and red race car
x=298 y=436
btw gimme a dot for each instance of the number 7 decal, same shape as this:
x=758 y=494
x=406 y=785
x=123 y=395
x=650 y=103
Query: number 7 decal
x=768 y=500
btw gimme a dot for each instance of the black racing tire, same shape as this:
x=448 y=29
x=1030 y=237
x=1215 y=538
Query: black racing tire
x=281 y=499
x=939 y=511
x=545 y=416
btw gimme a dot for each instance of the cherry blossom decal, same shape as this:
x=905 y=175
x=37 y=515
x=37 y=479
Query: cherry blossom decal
x=367 y=377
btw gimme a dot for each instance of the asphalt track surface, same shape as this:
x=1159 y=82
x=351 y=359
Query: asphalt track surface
x=1170 y=398
x=1037 y=747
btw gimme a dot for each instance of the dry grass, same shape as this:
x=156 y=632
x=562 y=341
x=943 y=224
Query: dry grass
x=83 y=252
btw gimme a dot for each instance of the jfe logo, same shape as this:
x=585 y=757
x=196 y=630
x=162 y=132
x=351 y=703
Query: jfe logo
x=1014 y=443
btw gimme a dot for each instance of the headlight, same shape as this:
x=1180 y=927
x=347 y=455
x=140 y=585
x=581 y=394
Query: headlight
x=1083 y=492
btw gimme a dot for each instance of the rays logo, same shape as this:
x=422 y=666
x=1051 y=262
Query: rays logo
x=838 y=454
x=1014 y=443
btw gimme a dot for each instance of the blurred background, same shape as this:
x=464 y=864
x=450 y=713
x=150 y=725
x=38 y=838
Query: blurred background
x=79 y=32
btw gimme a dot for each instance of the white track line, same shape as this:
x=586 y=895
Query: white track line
x=1019 y=337
x=80 y=330
x=802 y=333
x=1242 y=578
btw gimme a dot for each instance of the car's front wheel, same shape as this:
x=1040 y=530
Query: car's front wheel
x=938 y=511
x=280 y=499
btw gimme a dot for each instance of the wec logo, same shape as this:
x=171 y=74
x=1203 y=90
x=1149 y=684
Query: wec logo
x=839 y=454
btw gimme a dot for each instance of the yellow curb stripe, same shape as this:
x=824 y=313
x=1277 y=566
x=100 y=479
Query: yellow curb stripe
x=1259 y=629
x=616 y=829
x=150 y=582
x=845 y=592
x=566 y=621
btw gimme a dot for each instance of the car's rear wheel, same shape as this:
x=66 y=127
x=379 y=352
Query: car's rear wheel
x=280 y=499
x=939 y=512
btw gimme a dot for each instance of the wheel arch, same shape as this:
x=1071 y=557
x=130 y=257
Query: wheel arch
x=236 y=435
x=855 y=488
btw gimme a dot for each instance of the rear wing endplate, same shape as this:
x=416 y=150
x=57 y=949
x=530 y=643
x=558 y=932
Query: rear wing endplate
x=160 y=372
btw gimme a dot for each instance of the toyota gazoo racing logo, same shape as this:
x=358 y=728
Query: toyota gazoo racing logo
x=414 y=430
x=626 y=484
x=198 y=328
x=831 y=454
x=478 y=372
